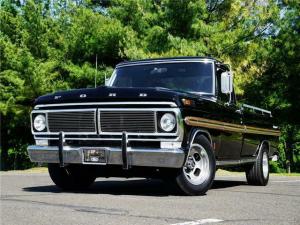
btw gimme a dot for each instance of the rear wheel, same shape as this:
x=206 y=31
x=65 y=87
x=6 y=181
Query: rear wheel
x=258 y=173
x=71 y=177
x=198 y=173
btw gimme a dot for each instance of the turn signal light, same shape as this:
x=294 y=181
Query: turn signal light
x=187 y=102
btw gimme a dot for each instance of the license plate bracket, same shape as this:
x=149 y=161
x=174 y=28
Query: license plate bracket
x=95 y=155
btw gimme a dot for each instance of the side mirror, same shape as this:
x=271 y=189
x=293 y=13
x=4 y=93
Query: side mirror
x=226 y=83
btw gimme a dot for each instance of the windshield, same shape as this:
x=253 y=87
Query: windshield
x=183 y=76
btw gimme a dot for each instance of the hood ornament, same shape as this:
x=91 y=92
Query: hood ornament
x=57 y=96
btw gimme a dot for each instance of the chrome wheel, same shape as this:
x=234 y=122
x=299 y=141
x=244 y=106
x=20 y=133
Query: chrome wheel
x=196 y=168
x=265 y=166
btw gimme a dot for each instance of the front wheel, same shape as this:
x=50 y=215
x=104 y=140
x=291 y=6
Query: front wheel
x=198 y=173
x=258 y=173
x=71 y=177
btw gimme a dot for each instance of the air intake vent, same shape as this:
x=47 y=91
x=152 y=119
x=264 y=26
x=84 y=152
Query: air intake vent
x=129 y=121
x=83 y=121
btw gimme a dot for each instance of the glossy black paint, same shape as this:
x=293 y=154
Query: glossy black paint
x=112 y=94
x=226 y=144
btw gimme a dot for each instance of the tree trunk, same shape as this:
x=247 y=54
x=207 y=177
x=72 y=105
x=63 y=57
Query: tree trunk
x=289 y=149
x=3 y=142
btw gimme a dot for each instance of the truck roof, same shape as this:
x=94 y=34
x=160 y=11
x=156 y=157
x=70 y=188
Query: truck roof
x=180 y=58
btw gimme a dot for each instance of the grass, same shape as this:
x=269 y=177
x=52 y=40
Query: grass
x=221 y=172
x=286 y=174
x=31 y=170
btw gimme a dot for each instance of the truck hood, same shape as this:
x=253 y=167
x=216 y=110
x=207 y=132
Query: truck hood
x=113 y=94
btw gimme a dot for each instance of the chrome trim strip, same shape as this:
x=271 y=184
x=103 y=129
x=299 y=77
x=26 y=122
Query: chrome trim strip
x=172 y=104
x=224 y=126
x=201 y=131
x=163 y=61
x=214 y=124
x=111 y=79
x=115 y=134
x=156 y=124
x=99 y=122
x=113 y=139
x=63 y=110
x=213 y=79
x=264 y=131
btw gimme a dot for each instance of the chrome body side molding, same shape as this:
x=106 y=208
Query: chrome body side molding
x=224 y=126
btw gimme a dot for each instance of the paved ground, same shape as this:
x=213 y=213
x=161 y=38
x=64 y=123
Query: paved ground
x=33 y=199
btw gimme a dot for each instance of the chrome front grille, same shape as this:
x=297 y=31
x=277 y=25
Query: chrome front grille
x=72 y=121
x=106 y=123
x=129 y=121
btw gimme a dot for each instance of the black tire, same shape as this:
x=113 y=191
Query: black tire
x=71 y=177
x=255 y=174
x=185 y=184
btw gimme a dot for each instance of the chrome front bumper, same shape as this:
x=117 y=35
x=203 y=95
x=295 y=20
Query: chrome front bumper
x=171 y=158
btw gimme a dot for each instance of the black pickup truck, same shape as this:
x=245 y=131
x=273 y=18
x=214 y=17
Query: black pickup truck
x=170 y=118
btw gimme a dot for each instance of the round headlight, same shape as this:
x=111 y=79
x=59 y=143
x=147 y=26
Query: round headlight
x=39 y=122
x=168 y=122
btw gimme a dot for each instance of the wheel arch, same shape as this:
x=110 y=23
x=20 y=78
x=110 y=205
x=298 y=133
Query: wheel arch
x=199 y=131
x=193 y=134
x=262 y=144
